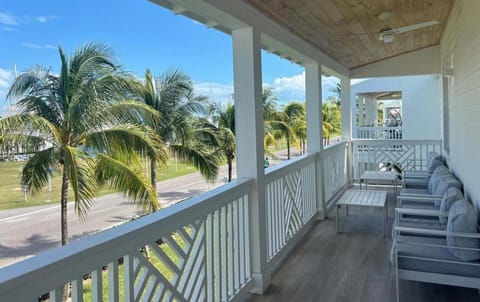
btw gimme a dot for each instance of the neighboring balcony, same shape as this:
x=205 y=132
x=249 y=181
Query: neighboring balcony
x=379 y=132
x=201 y=248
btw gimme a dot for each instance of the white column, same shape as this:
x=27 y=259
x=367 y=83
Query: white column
x=371 y=110
x=346 y=108
x=249 y=133
x=313 y=95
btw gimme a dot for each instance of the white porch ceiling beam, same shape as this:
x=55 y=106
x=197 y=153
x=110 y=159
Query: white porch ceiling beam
x=231 y=15
x=423 y=61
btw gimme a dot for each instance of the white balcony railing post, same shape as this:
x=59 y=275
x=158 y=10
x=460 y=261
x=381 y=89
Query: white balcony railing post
x=250 y=153
x=313 y=95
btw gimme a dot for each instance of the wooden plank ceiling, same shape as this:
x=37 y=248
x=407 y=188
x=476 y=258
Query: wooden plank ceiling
x=348 y=30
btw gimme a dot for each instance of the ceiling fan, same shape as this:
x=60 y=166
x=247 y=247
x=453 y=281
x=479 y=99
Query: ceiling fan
x=387 y=34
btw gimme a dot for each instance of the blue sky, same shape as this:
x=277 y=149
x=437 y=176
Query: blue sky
x=143 y=35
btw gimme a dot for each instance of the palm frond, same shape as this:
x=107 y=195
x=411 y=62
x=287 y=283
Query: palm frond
x=206 y=162
x=130 y=111
x=128 y=139
x=37 y=93
x=27 y=123
x=123 y=178
x=81 y=174
x=37 y=169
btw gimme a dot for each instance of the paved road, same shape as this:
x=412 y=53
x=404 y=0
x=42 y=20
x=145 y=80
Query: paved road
x=25 y=232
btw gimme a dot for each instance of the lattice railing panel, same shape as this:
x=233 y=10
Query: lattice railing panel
x=291 y=202
x=410 y=155
x=335 y=169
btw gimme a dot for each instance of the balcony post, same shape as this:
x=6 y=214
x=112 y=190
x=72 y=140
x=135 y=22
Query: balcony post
x=247 y=78
x=313 y=95
x=348 y=109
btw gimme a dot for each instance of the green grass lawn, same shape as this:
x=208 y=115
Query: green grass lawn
x=12 y=195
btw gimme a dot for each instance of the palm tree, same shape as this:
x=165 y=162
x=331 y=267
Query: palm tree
x=331 y=119
x=81 y=115
x=269 y=101
x=282 y=123
x=172 y=96
x=299 y=126
x=220 y=132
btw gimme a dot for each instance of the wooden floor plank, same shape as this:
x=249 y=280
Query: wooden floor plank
x=351 y=266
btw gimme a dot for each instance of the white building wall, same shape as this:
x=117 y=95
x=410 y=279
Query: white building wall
x=421 y=102
x=460 y=54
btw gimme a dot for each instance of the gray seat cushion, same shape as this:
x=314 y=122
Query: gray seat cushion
x=453 y=194
x=430 y=157
x=463 y=218
x=434 y=179
x=436 y=161
x=445 y=182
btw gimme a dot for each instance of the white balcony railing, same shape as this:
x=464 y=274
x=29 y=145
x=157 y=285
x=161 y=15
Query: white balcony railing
x=199 y=250
x=291 y=201
x=379 y=132
x=335 y=169
x=409 y=155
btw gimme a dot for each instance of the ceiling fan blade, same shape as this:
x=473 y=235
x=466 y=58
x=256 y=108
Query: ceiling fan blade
x=414 y=26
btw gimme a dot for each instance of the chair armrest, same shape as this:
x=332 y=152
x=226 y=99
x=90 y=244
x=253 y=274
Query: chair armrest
x=421 y=212
x=419 y=198
x=428 y=199
x=416 y=174
x=420 y=195
x=432 y=232
x=427 y=216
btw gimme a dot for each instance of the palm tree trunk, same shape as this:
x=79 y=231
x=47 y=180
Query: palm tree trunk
x=63 y=202
x=229 y=161
x=153 y=174
x=64 y=222
x=288 y=148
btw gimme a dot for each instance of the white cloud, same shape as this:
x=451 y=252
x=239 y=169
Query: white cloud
x=216 y=92
x=294 y=83
x=285 y=88
x=43 y=19
x=8 y=19
x=293 y=88
x=5 y=28
x=6 y=78
x=38 y=46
